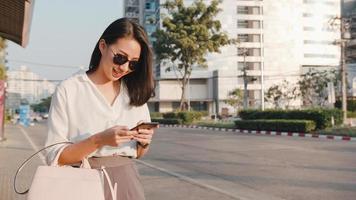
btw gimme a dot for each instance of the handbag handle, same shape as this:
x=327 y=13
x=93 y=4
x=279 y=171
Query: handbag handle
x=28 y=160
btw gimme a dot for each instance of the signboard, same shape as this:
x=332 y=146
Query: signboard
x=25 y=115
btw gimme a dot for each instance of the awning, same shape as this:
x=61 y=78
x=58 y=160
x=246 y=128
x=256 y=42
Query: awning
x=15 y=20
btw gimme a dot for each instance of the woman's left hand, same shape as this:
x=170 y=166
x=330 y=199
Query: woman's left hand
x=144 y=136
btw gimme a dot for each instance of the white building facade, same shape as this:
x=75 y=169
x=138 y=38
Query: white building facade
x=279 y=40
x=28 y=85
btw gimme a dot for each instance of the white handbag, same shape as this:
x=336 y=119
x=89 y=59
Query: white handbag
x=69 y=183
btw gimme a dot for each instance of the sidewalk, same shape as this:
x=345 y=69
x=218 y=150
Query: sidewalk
x=13 y=152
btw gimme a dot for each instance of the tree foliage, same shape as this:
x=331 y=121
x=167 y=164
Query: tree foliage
x=282 y=94
x=313 y=86
x=235 y=98
x=188 y=34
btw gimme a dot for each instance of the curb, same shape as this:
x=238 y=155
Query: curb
x=274 y=133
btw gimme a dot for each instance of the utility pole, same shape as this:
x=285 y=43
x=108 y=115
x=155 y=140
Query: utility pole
x=344 y=26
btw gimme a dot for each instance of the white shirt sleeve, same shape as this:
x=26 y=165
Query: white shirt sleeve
x=57 y=126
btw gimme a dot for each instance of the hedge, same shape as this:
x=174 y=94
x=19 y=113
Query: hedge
x=351 y=105
x=187 y=117
x=156 y=115
x=277 y=125
x=321 y=117
x=167 y=121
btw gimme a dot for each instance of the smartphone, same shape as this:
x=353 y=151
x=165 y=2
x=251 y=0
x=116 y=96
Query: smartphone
x=146 y=125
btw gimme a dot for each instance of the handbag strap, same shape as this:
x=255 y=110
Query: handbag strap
x=28 y=160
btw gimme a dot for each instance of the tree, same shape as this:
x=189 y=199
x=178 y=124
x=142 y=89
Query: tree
x=282 y=94
x=43 y=106
x=313 y=86
x=235 y=98
x=188 y=34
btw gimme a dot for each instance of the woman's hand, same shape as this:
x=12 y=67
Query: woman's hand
x=115 y=136
x=144 y=136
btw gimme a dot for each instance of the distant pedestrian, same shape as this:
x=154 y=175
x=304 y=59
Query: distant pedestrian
x=95 y=109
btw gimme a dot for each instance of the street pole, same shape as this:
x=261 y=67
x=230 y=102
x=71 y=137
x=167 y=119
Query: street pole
x=343 y=83
x=344 y=37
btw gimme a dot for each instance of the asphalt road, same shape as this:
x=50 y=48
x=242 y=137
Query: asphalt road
x=203 y=164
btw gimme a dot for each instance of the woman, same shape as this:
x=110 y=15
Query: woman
x=95 y=110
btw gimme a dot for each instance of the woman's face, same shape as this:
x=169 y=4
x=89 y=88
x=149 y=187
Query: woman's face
x=125 y=49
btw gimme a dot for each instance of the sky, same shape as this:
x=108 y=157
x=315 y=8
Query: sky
x=63 y=35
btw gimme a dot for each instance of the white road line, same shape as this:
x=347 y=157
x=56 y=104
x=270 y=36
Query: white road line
x=190 y=180
x=33 y=144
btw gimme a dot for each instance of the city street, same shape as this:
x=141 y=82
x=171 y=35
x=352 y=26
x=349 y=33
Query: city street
x=203 y=164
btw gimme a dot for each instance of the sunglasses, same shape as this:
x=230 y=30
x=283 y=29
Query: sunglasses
x=120 y=59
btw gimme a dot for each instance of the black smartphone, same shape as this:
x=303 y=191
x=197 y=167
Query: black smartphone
x=146 y=125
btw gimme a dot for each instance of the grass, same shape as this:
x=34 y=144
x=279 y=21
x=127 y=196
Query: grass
x=342 y=131
x=217 y=124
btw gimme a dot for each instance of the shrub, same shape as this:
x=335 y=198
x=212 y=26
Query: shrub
x=321 y=117
x=167 y=121
x=170 y=115
x=156 y=115
x=351 y=105
x=277 y=125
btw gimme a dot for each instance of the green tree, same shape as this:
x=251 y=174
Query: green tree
x=43 y=106
x=235 y=98
x=188 y=34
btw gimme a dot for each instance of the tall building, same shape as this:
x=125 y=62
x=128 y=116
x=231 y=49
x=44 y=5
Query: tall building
x=279 y=40
x=134 y=10
x=349 y=11
x=28 y=85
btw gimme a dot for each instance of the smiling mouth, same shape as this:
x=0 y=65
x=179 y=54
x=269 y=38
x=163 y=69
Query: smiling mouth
x=117 y=73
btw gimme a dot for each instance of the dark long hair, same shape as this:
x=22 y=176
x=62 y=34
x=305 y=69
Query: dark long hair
x=139 y=83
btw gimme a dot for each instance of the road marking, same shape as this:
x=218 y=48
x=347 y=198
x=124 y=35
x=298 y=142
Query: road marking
x=42 y=158
x=189 y=180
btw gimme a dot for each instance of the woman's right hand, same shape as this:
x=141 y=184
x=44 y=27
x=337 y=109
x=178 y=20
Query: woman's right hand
x=115 y=136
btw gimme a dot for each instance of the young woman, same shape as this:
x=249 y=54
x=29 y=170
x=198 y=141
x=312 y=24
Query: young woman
x=95 y=110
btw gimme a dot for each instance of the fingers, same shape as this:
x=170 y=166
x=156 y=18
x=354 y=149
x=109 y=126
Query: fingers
x=126 y=132
x=146 y=131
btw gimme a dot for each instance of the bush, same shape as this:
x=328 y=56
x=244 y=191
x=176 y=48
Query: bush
x=187 y=117
x=321 y=117
x=351 y=105
x=170 y=115
x=277 y=125
x=156 y=115
x=167 y=121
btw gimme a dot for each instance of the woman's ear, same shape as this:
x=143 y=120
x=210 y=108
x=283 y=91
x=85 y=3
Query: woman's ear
x=102 y=45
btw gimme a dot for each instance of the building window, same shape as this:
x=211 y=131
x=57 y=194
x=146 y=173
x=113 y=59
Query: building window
x=311 y=55
x=249 y=65
x=248 y=10
x=322 y=42
x=255 y=24
x=249 y=37
x=249 y=51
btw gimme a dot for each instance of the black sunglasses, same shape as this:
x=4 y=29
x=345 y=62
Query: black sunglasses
x=120 y=59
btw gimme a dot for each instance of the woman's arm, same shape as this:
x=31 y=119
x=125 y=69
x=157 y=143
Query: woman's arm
x=114 y=136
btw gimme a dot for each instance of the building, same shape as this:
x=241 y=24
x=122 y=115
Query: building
x=28 y=85
x=349 y=11
x=134 y=10
x=279 y=41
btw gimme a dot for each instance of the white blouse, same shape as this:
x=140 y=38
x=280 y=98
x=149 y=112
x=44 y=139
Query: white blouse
x=79 y=110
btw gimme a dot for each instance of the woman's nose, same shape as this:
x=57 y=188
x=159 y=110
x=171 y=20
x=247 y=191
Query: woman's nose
x=124 y=67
